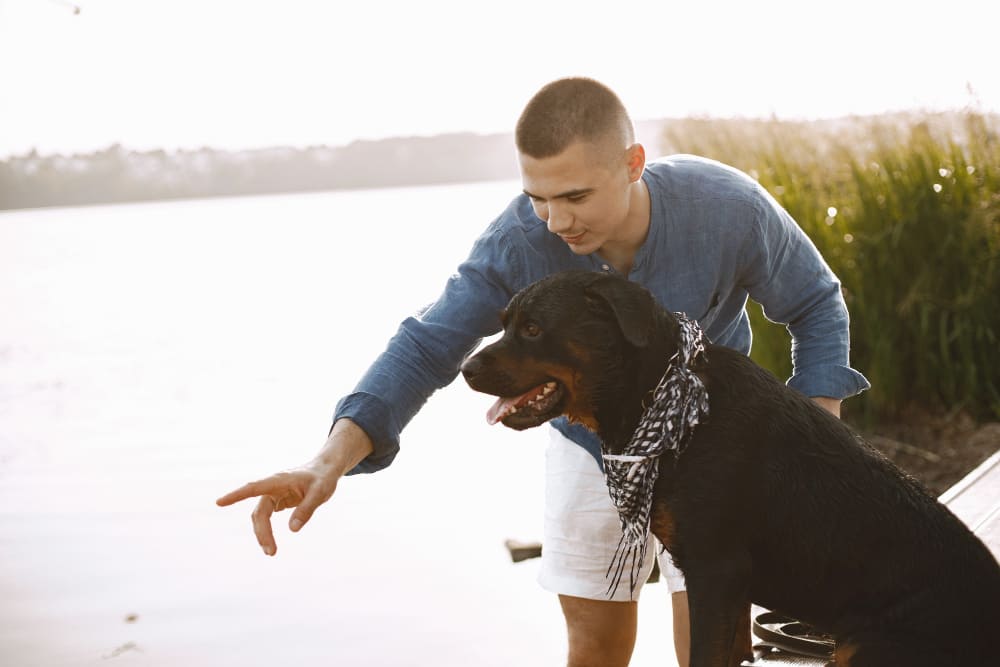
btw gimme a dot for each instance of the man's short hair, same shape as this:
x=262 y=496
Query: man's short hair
x=569 y=110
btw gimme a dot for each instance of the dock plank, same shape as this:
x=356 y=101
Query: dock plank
x=975 y=499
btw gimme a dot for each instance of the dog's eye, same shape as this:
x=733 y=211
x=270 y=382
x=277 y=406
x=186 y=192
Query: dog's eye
x=530 y=330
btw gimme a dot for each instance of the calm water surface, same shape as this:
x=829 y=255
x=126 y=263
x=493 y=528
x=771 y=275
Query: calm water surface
x=154 y=356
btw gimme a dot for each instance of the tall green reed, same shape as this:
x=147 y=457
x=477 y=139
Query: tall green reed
x=906 y=210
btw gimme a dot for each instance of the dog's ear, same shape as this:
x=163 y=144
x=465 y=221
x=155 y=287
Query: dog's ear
x=634 y=307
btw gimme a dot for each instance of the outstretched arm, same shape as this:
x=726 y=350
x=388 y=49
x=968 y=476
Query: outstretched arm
x=424 y=355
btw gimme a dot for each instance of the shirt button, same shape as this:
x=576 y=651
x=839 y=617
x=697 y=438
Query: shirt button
x=605 y=267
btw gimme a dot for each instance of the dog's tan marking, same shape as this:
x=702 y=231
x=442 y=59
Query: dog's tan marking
x=743 y=642
x=844 y=654
x=580 y=352
x=578 y=406
x=661 y=524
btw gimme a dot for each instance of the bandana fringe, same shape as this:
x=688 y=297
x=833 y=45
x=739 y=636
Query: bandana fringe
x=628 y=556
x=680 y=402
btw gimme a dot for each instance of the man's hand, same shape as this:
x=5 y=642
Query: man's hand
x=304 y=488
x=831 y=405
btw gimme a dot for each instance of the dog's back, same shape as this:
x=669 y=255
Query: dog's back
x=816 y=505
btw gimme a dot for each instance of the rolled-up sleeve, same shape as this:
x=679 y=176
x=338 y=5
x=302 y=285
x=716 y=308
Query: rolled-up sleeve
x=784 y=272
x=427 y=350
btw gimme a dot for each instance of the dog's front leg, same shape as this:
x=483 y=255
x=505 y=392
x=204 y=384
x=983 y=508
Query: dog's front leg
x=719 y=603
x=742 y=648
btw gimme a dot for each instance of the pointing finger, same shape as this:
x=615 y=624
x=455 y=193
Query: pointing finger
x=251 y=490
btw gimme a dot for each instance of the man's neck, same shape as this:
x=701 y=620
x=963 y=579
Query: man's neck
x=621 y=253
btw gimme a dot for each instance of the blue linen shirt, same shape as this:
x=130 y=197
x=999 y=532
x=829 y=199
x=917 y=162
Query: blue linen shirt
x=716 y=238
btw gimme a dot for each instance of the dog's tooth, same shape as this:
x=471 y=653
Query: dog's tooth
x=512 y=410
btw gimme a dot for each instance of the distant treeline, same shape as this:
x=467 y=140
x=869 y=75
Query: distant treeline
x=120 y=175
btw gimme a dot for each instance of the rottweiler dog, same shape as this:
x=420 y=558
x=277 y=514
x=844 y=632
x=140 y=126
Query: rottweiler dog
x=774 y=501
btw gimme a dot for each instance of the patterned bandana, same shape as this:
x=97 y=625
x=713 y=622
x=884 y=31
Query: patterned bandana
x=680 y=402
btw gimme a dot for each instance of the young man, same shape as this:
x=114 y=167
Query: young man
x=699 y=235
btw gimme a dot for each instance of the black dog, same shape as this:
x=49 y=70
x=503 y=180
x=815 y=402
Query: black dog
x=774 y=501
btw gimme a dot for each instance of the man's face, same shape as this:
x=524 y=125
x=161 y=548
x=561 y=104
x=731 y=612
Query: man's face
x=582 y=194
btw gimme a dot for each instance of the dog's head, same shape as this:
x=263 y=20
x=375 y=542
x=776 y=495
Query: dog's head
x=573 y=344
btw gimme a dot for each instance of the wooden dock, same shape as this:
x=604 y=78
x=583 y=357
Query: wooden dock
x=975 y=499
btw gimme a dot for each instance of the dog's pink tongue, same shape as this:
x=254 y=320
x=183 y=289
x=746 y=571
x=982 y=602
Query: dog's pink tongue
x=500 y=409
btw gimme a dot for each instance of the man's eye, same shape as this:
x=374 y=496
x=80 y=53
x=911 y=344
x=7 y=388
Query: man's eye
x=576 y=199
x=530 y=330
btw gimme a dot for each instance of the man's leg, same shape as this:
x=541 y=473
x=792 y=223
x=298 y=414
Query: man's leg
x=682 y=627
x=601 y=633
x=581 y=535
x=674 y=579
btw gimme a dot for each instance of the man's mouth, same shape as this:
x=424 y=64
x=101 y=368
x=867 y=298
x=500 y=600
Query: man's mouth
x=532 y=404
x=573 y=240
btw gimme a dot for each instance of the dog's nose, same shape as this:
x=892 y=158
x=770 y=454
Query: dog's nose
x=472 y=367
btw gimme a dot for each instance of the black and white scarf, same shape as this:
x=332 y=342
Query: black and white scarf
x=680 y=402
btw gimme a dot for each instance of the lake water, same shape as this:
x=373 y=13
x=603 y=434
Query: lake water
x=154 y=356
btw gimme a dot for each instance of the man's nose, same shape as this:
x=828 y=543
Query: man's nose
x=558 y=220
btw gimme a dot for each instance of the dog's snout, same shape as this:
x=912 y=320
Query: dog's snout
x=473 y=366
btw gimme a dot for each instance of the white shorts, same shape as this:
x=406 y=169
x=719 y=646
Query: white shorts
x=582 y=529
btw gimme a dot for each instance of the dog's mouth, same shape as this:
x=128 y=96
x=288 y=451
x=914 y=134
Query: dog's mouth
x=533 y=407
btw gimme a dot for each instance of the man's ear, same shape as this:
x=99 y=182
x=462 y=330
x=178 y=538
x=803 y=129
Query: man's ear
x=633 y=307
x=635 y=157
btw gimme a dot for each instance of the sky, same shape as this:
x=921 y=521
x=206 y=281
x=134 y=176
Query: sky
x=183 y=74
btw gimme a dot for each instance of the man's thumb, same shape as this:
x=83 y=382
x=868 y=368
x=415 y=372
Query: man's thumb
x=314 y=498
